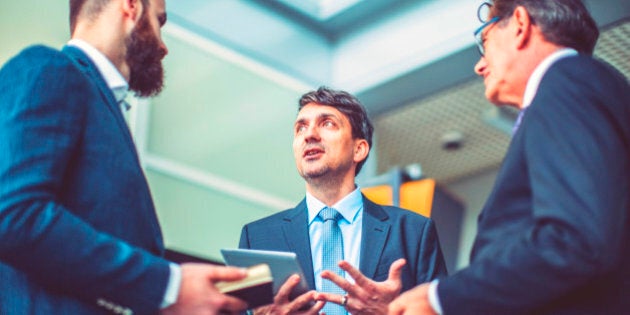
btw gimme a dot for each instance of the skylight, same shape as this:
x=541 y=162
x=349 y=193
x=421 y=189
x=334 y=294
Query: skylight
x=321 y=10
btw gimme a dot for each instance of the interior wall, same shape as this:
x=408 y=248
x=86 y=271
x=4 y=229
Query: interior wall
x=473 y=191
x=28 y=22
x=223 y=118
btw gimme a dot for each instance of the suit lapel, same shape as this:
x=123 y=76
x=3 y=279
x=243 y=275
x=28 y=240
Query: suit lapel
x=375 y=231
x=87 y=66
x=295 y=228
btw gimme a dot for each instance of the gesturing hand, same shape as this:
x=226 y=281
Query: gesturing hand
x=282 y=305
x=365 y=296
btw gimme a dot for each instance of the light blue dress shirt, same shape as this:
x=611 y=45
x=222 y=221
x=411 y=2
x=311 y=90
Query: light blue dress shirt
x=351 y=208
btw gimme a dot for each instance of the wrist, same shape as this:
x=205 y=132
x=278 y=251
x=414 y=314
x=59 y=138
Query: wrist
x=434 y=299
x=172 y=287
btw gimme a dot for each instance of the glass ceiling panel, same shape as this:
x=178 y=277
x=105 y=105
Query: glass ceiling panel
x=320 y=10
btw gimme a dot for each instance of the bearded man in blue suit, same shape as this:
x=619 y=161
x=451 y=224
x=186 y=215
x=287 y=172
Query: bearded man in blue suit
x=553 y=235
x=78 y=230
x=383 y=250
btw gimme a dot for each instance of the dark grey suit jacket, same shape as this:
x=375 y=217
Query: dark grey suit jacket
x=554 y=235
x=389 y=233
x=78 y=227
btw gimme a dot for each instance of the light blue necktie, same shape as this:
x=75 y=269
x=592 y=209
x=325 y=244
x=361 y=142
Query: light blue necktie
x=332 y=253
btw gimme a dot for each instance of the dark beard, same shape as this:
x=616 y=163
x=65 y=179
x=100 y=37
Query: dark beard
x=144 y=57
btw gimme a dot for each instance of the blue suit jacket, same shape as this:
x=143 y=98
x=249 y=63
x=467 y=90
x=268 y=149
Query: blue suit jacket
x=78 y=227
x=554 y=235
x=389 y=233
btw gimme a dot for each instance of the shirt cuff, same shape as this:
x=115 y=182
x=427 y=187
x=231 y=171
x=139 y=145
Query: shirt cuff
x=172 y=289
x=434 y=299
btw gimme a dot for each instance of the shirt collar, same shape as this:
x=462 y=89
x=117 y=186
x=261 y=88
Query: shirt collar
x=348 y=206
x=539 y=72
x=115 y=81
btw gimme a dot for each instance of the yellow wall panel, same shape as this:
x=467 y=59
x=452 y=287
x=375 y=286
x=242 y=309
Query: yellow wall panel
x=418 y=196
x=382 y=195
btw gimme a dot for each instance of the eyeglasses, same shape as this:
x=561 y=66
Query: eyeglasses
x=482 y=14
x=479 y=34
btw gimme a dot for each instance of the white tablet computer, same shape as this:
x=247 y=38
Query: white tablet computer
x=282 y=265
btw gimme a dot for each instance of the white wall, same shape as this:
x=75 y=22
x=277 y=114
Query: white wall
x=28 y=22
x=473 y=191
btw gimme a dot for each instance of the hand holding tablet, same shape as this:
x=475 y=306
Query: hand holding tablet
x=282 y=265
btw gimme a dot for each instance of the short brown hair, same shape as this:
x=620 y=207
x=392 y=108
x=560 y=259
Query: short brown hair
x=348 y=105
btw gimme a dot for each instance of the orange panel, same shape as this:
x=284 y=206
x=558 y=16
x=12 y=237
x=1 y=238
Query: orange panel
x=417 y=196
x=382 y=195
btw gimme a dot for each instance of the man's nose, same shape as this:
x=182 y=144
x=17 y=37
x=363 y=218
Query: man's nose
x=480 y=66
x=164 y=49
x=311 y=134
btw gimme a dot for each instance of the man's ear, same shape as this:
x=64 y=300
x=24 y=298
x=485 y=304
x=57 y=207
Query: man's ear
x=523 y=24
x=361 y=150
x=132 y=9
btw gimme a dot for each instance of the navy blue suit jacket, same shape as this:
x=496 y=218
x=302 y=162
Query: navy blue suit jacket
x=554 y=235
x=389 y=233
x=78 y=227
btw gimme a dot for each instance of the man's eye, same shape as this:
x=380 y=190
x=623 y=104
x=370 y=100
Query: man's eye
x=328 y=123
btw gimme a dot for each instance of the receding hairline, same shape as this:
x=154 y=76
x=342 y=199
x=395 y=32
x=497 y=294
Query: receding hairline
x=89 y=9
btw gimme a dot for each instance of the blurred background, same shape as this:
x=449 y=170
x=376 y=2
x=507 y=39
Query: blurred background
x=216 y=144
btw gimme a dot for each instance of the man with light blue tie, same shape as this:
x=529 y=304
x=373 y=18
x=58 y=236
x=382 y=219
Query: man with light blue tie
x=335 y=228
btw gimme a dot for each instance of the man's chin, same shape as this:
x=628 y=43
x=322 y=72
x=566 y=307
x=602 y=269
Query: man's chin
x=314 y=173
x=148 y=83
x=492 y=96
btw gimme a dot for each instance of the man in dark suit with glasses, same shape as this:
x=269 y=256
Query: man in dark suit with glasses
x=553 y=235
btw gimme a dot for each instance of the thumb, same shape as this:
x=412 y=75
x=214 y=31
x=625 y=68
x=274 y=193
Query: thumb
x=395 y=270
x=220 y=273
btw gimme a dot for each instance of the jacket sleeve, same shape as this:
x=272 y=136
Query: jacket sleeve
x=431 y=263
x=42 y=115
x=576 y=152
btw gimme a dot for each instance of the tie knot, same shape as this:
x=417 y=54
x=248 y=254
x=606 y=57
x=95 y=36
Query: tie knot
x=329 y=214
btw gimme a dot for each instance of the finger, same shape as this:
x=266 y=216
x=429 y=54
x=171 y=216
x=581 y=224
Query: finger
x=220 y=273
x=395 y=270
x=339 y=281
x=329 y=297
x=314 y=310
x=285 y=290
x=302 y=300
x=358 y=277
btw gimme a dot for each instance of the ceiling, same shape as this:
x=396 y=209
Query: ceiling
x=415 y=133
x=335 y=24
x=417 y=82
